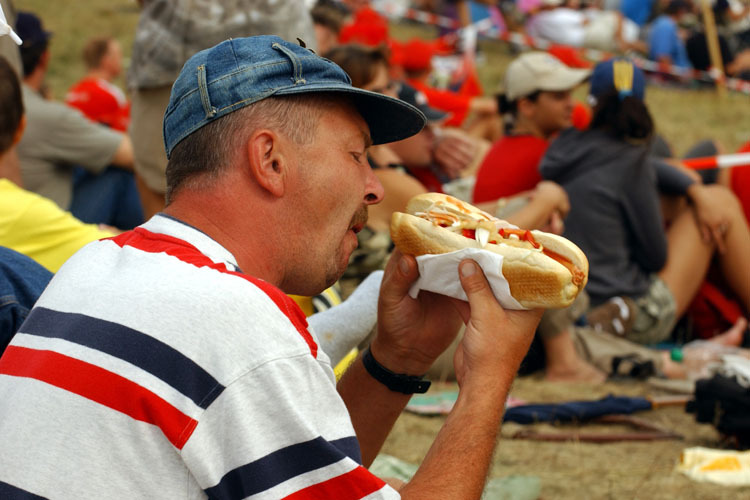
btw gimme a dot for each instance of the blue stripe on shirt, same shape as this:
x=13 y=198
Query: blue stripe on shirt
x=10 y=492
x=282 y=465
x=139 y=349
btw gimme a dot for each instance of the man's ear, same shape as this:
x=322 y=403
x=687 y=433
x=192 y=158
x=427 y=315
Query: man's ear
x=19 y=131
x=267 y=161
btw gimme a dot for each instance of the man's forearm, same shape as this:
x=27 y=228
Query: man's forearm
x=373 y=408
x=457 y=465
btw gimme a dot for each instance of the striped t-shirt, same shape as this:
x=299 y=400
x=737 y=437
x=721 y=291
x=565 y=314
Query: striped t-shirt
x=151 y=367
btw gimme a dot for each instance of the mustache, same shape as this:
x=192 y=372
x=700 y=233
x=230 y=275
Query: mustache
x=360 y=217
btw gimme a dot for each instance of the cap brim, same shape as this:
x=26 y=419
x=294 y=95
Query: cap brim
x=572 y=78
x=433 y=115
x=389 y=119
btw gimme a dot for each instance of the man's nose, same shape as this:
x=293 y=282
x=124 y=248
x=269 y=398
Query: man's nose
x=374 y=189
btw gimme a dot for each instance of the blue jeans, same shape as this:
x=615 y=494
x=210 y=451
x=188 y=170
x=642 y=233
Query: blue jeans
x=22 y=280
x=109 y=197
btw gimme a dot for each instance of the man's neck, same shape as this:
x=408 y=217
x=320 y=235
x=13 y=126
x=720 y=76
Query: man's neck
x=35 y=80
x=524 y=127
x=10 y=167
x=100 y=74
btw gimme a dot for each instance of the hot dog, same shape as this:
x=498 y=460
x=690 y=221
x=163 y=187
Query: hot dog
x=542 y=269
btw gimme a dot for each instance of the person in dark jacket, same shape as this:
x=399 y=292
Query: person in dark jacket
x=616 y=218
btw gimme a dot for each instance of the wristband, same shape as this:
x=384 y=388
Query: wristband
x=397 y=382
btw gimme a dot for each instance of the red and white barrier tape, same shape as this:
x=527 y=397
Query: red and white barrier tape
x=397 y=11
x=486 y=27
x=721 y=161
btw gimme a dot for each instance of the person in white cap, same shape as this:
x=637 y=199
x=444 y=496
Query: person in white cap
x=537 y=104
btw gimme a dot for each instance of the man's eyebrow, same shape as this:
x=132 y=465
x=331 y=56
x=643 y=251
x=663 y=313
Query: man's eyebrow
x=367 y=139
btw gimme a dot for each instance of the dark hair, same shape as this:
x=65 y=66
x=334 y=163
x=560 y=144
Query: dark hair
x=625 y=118
x=202 y=156
x=31 y=54
x=509 y=109
x=328 y=16
x=11 y=105
x=677 y=6
x=359 y=61
x=94 y=50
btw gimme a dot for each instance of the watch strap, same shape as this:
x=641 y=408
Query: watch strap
x=397 y=382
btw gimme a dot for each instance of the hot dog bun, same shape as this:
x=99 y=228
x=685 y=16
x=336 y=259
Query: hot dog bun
x=537 y=277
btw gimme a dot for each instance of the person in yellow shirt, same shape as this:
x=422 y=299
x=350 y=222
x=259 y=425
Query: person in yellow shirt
x=30 y=224
x=37 y=227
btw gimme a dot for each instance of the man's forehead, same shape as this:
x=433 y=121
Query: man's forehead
x=347 y=112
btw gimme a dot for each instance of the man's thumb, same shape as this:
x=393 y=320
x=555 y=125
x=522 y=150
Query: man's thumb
x=474 y=284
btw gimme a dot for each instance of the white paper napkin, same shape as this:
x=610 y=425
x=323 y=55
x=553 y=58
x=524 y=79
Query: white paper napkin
x=439 y=274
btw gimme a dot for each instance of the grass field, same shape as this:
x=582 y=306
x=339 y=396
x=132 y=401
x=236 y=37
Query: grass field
x=567 y=470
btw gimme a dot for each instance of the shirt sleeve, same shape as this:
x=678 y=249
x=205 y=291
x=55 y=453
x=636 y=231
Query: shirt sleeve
x=661 y=41
x=671 y=180
x=279 y=431
x=76 y=140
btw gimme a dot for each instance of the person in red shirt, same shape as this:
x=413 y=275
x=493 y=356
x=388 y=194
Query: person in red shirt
x=475 y=113
x=538 y=101
x=537 y=104
x=95 y=95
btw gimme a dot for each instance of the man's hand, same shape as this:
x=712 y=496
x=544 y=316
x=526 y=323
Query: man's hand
x=412 y=333
x=454 y=153
x=496 y=339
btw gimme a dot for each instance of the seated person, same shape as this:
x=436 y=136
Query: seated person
x=665 y=44
x=735 y=64
x=733 y=19
x=59 y=140
x=327 y=22
x=29 y=223
x=537 y=104
x=95 y=95
x=22 y=281
x=616 y=215
x=468 y=108
x=564 y=22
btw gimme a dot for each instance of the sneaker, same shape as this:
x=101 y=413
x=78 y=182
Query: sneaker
x=615 y=316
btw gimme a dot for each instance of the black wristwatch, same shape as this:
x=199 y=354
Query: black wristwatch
x=397 y=382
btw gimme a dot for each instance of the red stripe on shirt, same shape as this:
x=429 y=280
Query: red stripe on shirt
x=357 y=483
x=147 y=241
x=99 y=385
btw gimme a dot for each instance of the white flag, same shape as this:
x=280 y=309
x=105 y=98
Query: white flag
x=7 y=29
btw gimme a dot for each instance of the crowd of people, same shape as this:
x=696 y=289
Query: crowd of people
x=669 y=32
x=196 y=274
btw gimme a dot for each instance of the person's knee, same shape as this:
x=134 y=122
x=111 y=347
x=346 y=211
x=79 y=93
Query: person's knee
x=725 y=198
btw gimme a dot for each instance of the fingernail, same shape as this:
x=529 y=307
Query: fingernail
x=404 y=265
x=468 y=269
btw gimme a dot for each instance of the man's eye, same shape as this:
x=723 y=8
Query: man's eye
x=357 y=157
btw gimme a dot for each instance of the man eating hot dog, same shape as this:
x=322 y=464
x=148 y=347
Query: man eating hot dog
x=168 y=362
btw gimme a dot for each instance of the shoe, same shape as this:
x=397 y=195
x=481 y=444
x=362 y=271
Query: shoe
x=615 y=316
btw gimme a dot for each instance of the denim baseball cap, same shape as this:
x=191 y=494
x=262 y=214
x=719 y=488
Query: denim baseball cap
x=618 y=74
x=241 y=71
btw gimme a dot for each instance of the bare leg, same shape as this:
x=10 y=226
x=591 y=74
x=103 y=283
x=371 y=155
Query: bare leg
x=564 y=364
x=689 y=255
x=735 y=262
x=688 y=258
